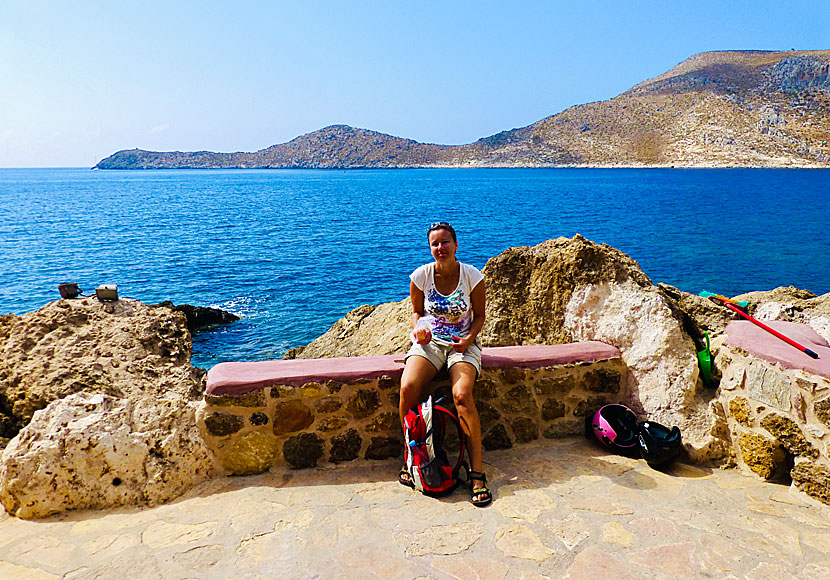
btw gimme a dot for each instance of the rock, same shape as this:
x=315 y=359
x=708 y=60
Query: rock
x=553 y=409
x=291 y=416
x=791 y=437
x=660 y=356
x=559 y=430
x=252 y=453
x=518 y=400
x=386 y=422
x=524 y=429
x=200 y=317
x=554 y=385
x=345 y=447
x=366 y=330
x=303 y=450
x=529 y=288
x=222 y=424
x=328 y=405
x=91 y=450
x=822 y=411
x=109 y=389
x=740 y=410
x=497 y=438
x=122 y=349
x=813 y=479
x=759 y=454
x=363 y=403
x=384 y=448
x=332 y=424
x=602 y=381
x=705 y=315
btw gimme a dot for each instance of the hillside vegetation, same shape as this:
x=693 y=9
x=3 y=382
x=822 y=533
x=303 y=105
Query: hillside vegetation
x=715 y=109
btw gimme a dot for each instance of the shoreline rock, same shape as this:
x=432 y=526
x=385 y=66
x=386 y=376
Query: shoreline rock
x=80 y=375
x=200 y=317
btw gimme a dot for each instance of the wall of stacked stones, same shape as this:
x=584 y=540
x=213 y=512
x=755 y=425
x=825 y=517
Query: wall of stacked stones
x=336 y=422
x=778 y=420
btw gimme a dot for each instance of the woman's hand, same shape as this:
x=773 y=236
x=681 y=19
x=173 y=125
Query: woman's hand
x=422 y=335
x=460 y=344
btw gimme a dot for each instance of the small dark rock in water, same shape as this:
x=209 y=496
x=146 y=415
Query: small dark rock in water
x=200 y=317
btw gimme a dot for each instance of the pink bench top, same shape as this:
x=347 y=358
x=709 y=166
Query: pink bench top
x=239 y=378
x=757 y=341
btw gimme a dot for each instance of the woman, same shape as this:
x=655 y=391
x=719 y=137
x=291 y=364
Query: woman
x=453 y=295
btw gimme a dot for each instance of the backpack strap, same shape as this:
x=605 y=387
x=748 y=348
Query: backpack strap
x=462 y=437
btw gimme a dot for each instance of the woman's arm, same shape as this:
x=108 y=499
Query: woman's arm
x=417 y=297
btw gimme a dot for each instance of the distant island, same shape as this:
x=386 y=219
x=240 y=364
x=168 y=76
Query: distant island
x=715 y=109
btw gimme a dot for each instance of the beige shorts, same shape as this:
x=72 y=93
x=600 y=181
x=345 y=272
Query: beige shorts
x=439 y=353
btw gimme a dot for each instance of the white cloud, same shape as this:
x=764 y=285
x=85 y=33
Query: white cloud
x=159 y=129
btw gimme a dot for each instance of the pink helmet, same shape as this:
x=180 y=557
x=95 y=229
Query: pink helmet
x=616 y=427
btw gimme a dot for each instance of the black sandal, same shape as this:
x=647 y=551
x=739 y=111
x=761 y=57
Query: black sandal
x=483 y=492
x=405 y=478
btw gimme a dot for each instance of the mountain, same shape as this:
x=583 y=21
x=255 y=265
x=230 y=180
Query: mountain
x=715 y=109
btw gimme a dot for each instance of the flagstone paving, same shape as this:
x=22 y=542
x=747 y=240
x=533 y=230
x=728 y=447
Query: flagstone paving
x=562 y=509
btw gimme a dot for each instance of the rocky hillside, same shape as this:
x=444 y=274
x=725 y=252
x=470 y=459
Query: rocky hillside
x=716 y=109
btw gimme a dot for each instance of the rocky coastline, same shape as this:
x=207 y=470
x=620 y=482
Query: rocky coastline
x=99 y=401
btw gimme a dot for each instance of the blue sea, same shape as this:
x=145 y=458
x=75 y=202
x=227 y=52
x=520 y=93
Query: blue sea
x=291 y=251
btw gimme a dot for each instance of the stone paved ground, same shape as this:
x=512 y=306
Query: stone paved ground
x=563 y=509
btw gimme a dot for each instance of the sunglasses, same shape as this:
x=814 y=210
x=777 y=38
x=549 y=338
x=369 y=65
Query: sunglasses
x=438 y=225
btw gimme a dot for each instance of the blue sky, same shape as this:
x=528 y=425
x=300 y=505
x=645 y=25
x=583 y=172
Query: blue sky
x=81 y=80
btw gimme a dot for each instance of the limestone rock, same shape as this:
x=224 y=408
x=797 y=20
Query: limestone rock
x=659 y=354
x=95 y=450
x=787 y=432
x=252 y=453
x=222 y=424
x=822 y=411
x=759 y=454
x=740 y=410
x=122 y=349
x=291 y=416
x=705 y=315
x=813 y=479
x=529 y=288
x=97 y=400
x=364 y=331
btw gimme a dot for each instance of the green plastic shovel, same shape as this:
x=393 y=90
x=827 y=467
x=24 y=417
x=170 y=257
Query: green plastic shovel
x=704 y=360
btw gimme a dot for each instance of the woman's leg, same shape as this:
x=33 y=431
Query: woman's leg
x=417 y=374
x=463 y=378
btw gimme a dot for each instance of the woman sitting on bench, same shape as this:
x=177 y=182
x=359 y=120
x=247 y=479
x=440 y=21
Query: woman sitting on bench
x=452 y=295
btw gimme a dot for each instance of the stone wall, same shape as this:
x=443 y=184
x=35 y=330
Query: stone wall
x=776 y=420
x=335 y=422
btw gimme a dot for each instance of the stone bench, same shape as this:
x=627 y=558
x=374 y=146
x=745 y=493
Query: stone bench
x=300 y=411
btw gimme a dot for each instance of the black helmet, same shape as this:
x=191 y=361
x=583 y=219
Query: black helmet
x=658 y=444
x=616 y=427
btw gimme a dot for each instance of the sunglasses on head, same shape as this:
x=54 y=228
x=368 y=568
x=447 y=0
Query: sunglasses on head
x=438 y=225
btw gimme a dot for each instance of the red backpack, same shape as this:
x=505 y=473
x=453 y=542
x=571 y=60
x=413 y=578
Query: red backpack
x=426 y=460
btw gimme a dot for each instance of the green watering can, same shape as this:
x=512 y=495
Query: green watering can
x=704 y=360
